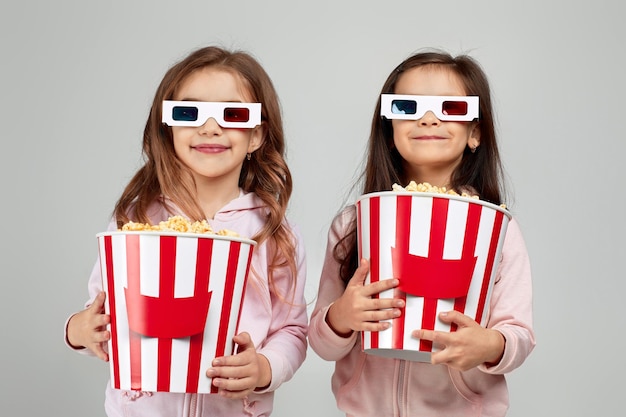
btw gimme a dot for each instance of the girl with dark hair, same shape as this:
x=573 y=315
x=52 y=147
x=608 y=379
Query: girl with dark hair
x=421 y=140
x=227 y=167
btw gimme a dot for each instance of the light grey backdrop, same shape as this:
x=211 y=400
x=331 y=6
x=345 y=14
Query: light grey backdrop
x=76 y=81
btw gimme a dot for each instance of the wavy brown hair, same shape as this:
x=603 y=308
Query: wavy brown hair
x=481 y=170
x=266 y=174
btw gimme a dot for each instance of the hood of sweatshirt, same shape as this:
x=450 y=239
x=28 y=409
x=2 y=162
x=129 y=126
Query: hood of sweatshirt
x=239 y=206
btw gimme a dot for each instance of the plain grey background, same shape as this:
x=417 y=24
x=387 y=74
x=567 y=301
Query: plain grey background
x=76 y=82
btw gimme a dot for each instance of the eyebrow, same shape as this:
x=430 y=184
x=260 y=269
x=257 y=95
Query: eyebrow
x=429 y=95
x=204 y=101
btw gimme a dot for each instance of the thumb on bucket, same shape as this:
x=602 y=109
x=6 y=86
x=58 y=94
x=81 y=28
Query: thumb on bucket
x=361 y=273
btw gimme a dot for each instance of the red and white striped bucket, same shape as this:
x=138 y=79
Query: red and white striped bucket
x=444 y=249
x=174 y=301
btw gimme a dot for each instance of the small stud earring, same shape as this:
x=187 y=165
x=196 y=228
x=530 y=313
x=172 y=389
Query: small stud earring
x=248 y=156
x=473 y=149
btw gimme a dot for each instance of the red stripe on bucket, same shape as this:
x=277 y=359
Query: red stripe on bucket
x=133 y=271
x=229 y=285
x=403 y=211
x=495 y=237
x=243 y=295
x=166 y=292
x=112 y=310
x=472 y=224
x=203 y=268
x=374 y=251
x=435 y=250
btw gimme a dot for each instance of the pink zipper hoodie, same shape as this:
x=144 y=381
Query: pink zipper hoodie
x=367 y=385
x=278 y=329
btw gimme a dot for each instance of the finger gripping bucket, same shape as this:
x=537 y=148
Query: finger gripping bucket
x=174 y=301
x=445 y=251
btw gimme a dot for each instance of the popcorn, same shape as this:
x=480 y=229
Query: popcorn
x=226 y=232
x=425 y=187
x=178 y=224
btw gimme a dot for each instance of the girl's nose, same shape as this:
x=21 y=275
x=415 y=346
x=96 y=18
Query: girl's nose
x=428 y=119
x=210 y=127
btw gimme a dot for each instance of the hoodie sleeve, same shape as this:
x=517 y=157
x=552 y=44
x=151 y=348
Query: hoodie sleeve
x=511 y=303
x=285 y=344
x=94 y=287
x=324 y=341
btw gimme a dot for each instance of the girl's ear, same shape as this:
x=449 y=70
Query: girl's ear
x=257 y=136
x=473 y=140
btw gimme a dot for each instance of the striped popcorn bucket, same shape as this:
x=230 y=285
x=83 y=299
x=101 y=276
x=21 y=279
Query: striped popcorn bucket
x=445 y=251
x=174 y=301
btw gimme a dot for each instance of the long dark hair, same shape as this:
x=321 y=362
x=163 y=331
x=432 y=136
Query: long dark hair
x=481 y=170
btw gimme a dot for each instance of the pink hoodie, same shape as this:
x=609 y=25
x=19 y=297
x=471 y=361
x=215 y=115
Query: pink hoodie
x=367 y=385
x=278 y=329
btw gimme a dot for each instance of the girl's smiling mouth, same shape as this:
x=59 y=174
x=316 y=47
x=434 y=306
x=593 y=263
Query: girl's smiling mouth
x=428 y=137
x=210 y=148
